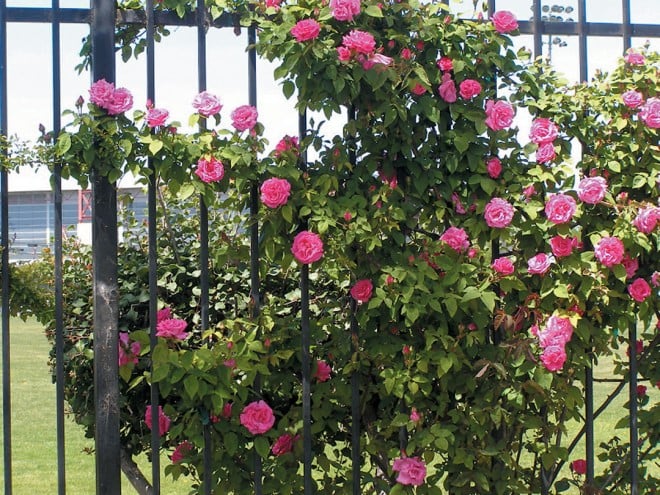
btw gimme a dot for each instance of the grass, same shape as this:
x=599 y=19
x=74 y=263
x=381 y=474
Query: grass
x=34 y=444
x=34 y=458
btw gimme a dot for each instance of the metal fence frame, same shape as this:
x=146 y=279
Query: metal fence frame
x=102 y=17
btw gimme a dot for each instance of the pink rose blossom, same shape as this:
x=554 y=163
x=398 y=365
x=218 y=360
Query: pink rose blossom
x=163 y=420
x=284 y=444
x=445 y=64
x=414 y=415
x=655 y=279
x=458 y=205
x=172 y=328
x=543 y=131
x=287 y=144
x=375 y=59
x=639 y=289
x=181 y=451
x=494 y=167
x=634 y=58
x=359 y=42
x=323 y=371
x=503 y=266
x=348 y=216
x=307 y=247
x=273 y=3
x=210 y=170
x=244 y=117
x=469 y=89
x=499 y=114
x=609 y=251
x=406 y=54
x=647 y=219
x=560 y=208
x=128 y=352
x=631 y=265
x=553 y=357
x=344 y=10
x=456 y=238
x=447 y=89
x=498 y=213
x=562 y=246
x=632 y=98
x=539 y=264
x=207 y=104
x=412 y=470
x=504 y=21
x=557 y=331
x=100 y=93
x=529 y=191
x=362 y=290
x=121 y=101
x=257 y=417
x=226 y=410
x=579 y=466
x=157 y=117
x=649 y=113
x=305 y=30
x=275 y=192
x=418 y=89
x=641 y=390
x=592 y=190
x=343 y=54
x=163 y=314
x=545 y=153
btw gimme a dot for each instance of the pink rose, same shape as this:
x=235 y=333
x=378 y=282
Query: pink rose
x=307 y=247
x=504 y=21
x=157 y=117
x=456 y=238
x=579 y=466
x=275 y=192
x=647 y=218
x=273 y=3
x=181 y=451
x=609 y=251
x=539 y=264
x=163 y=314
x=100 y=93
x=639 y=290
x=529 y=191
x=418 y=89
x=499 y=114
x=343 y=54
x=557 y=331
x=121 y=101
x=359 y=42
x=207 y=104
x=344 y=10
x=406 y=54
x=284 y=444
x=458 y=205
x=445 y=64
x=375 y=59
x=545 y=153
x=543 y=131
x=634 y=58
x=163 y=420
x=562 y=246
x=362 y=290
x=210 y=170
x=649 y=113
x=553 y=357
x=244 y=118
x=498 y=213
x=414 y=415
x=560 y=208
x=412 y=470
x=305 y=30
x=631 y=265
x=226 y=410
x=632 y=98
x=469 y=88
x=287 y=144
x=172 y=328
x=503 y=266
x=128 y=352
x=655 y=279
x=323 y=371
x=641 y=390
x=447 y=89
x=494 y=167
x=257 y=417
x=592 y=190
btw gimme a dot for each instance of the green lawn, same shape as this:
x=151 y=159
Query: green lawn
x=34 y=447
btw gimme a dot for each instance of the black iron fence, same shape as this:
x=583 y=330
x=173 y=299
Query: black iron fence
x=102 y=18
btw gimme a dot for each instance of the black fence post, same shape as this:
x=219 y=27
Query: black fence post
x=106 y=288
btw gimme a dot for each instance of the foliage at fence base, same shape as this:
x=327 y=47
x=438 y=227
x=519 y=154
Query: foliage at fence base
x=484 y=269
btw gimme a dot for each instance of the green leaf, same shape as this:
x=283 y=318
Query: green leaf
x=373 y=11
x=262 y=446
x=191 y=384
x=186 y=191
x=63 y=143
x=288 y=88
x=155 y=146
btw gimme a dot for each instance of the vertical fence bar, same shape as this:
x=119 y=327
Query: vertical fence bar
x=204 y=236
x=627 y=26
x=106 y=289
x=305 y=357
x=154 y=392
x=4 y=227
x=537 y=27
x=632 y=389
x=57 y=209
x=254 y=237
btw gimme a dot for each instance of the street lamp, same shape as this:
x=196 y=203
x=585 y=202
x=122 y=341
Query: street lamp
x=553 y=13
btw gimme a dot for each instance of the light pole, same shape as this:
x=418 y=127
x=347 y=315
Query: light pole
x=555 y=13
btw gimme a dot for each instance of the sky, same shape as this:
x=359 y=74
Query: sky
x=30 y=81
